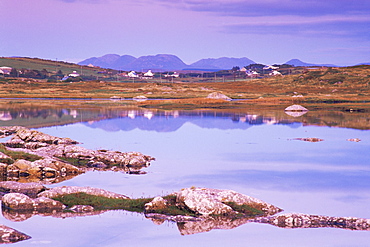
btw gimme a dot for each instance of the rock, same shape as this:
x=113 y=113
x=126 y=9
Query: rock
x=202 y=202
x=18 y=202
x=354 y=140
x=30 y=189
x=52 y=148
x=28 y=135
x=43 y=168
x=296 y=108
x=294 y=220
x=9 y=130
x=309 y=139
x=157 y=203
x=21 y=202
x=217 y=95
x=65 y=190
x=140 y=98
x=44 y=204
x=206 y=201
x=10 y=235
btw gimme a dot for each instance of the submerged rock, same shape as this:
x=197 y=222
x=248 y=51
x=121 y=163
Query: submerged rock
x=295 y=220
x=309 y=139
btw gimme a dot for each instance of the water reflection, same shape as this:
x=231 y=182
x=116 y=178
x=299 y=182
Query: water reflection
x=249 y=151
x=47 y=114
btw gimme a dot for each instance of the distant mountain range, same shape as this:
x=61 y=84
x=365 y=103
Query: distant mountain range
x=297 y=62
x=167 y=62
x=163 y=62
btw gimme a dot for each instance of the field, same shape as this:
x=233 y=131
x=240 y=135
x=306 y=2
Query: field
x=317 y=87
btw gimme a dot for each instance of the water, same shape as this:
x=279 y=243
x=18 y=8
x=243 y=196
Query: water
x=253 y=154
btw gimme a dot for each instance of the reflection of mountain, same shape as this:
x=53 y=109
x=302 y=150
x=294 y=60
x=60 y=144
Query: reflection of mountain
x=169 y=123
x=35 y=116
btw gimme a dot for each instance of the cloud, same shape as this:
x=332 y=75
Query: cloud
x=273 y=7
x=323 y=26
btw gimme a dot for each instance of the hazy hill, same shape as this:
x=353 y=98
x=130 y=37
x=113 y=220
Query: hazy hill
x=163 y=62
x=112 y=61
x=157 y=62
x=221 y=63
x=297 y=62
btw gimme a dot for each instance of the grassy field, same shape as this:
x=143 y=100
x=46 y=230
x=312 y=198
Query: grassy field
x=314 y=86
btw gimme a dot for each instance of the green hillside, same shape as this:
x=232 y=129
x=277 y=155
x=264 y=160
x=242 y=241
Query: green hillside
x=50 y=66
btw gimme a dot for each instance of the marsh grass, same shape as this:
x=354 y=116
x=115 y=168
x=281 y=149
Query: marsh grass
x=15 y=155
x=99 y=202
x=249 y=210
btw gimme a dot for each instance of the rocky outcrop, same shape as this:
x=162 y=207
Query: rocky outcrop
x=65 y=190
x=9 y=130
x=44 y=168
x=206 y=201
x=9 y=235
x=24 y=135
x=53 y=155
x=294 y=220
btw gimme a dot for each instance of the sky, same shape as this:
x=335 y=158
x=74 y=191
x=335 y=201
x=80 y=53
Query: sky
x=265 y=31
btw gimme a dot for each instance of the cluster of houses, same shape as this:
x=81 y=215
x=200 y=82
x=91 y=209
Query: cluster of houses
x=271 y=70
x=147 y=75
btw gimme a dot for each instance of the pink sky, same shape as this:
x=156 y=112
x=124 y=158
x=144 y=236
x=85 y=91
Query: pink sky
x=266 y=31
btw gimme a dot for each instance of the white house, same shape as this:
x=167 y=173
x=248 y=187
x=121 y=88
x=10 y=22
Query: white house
x=132 y=74
x=274 y=73
x=148 y=75
x=5 y=70
x=74 y=74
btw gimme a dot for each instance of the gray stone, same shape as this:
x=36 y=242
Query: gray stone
x=65 y=190
x=206 y=201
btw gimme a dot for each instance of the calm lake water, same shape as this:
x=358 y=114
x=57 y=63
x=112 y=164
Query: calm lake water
x=254 y=154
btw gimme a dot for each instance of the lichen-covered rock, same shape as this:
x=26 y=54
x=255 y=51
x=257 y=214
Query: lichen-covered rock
x=43 y=168
x=202 y=201
x=22 y=202
x=28 y=135
x=10 y=235
x=44 y=204
x=65 y=190
x=18 y=202
x=30 y=189
x=206 y=201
